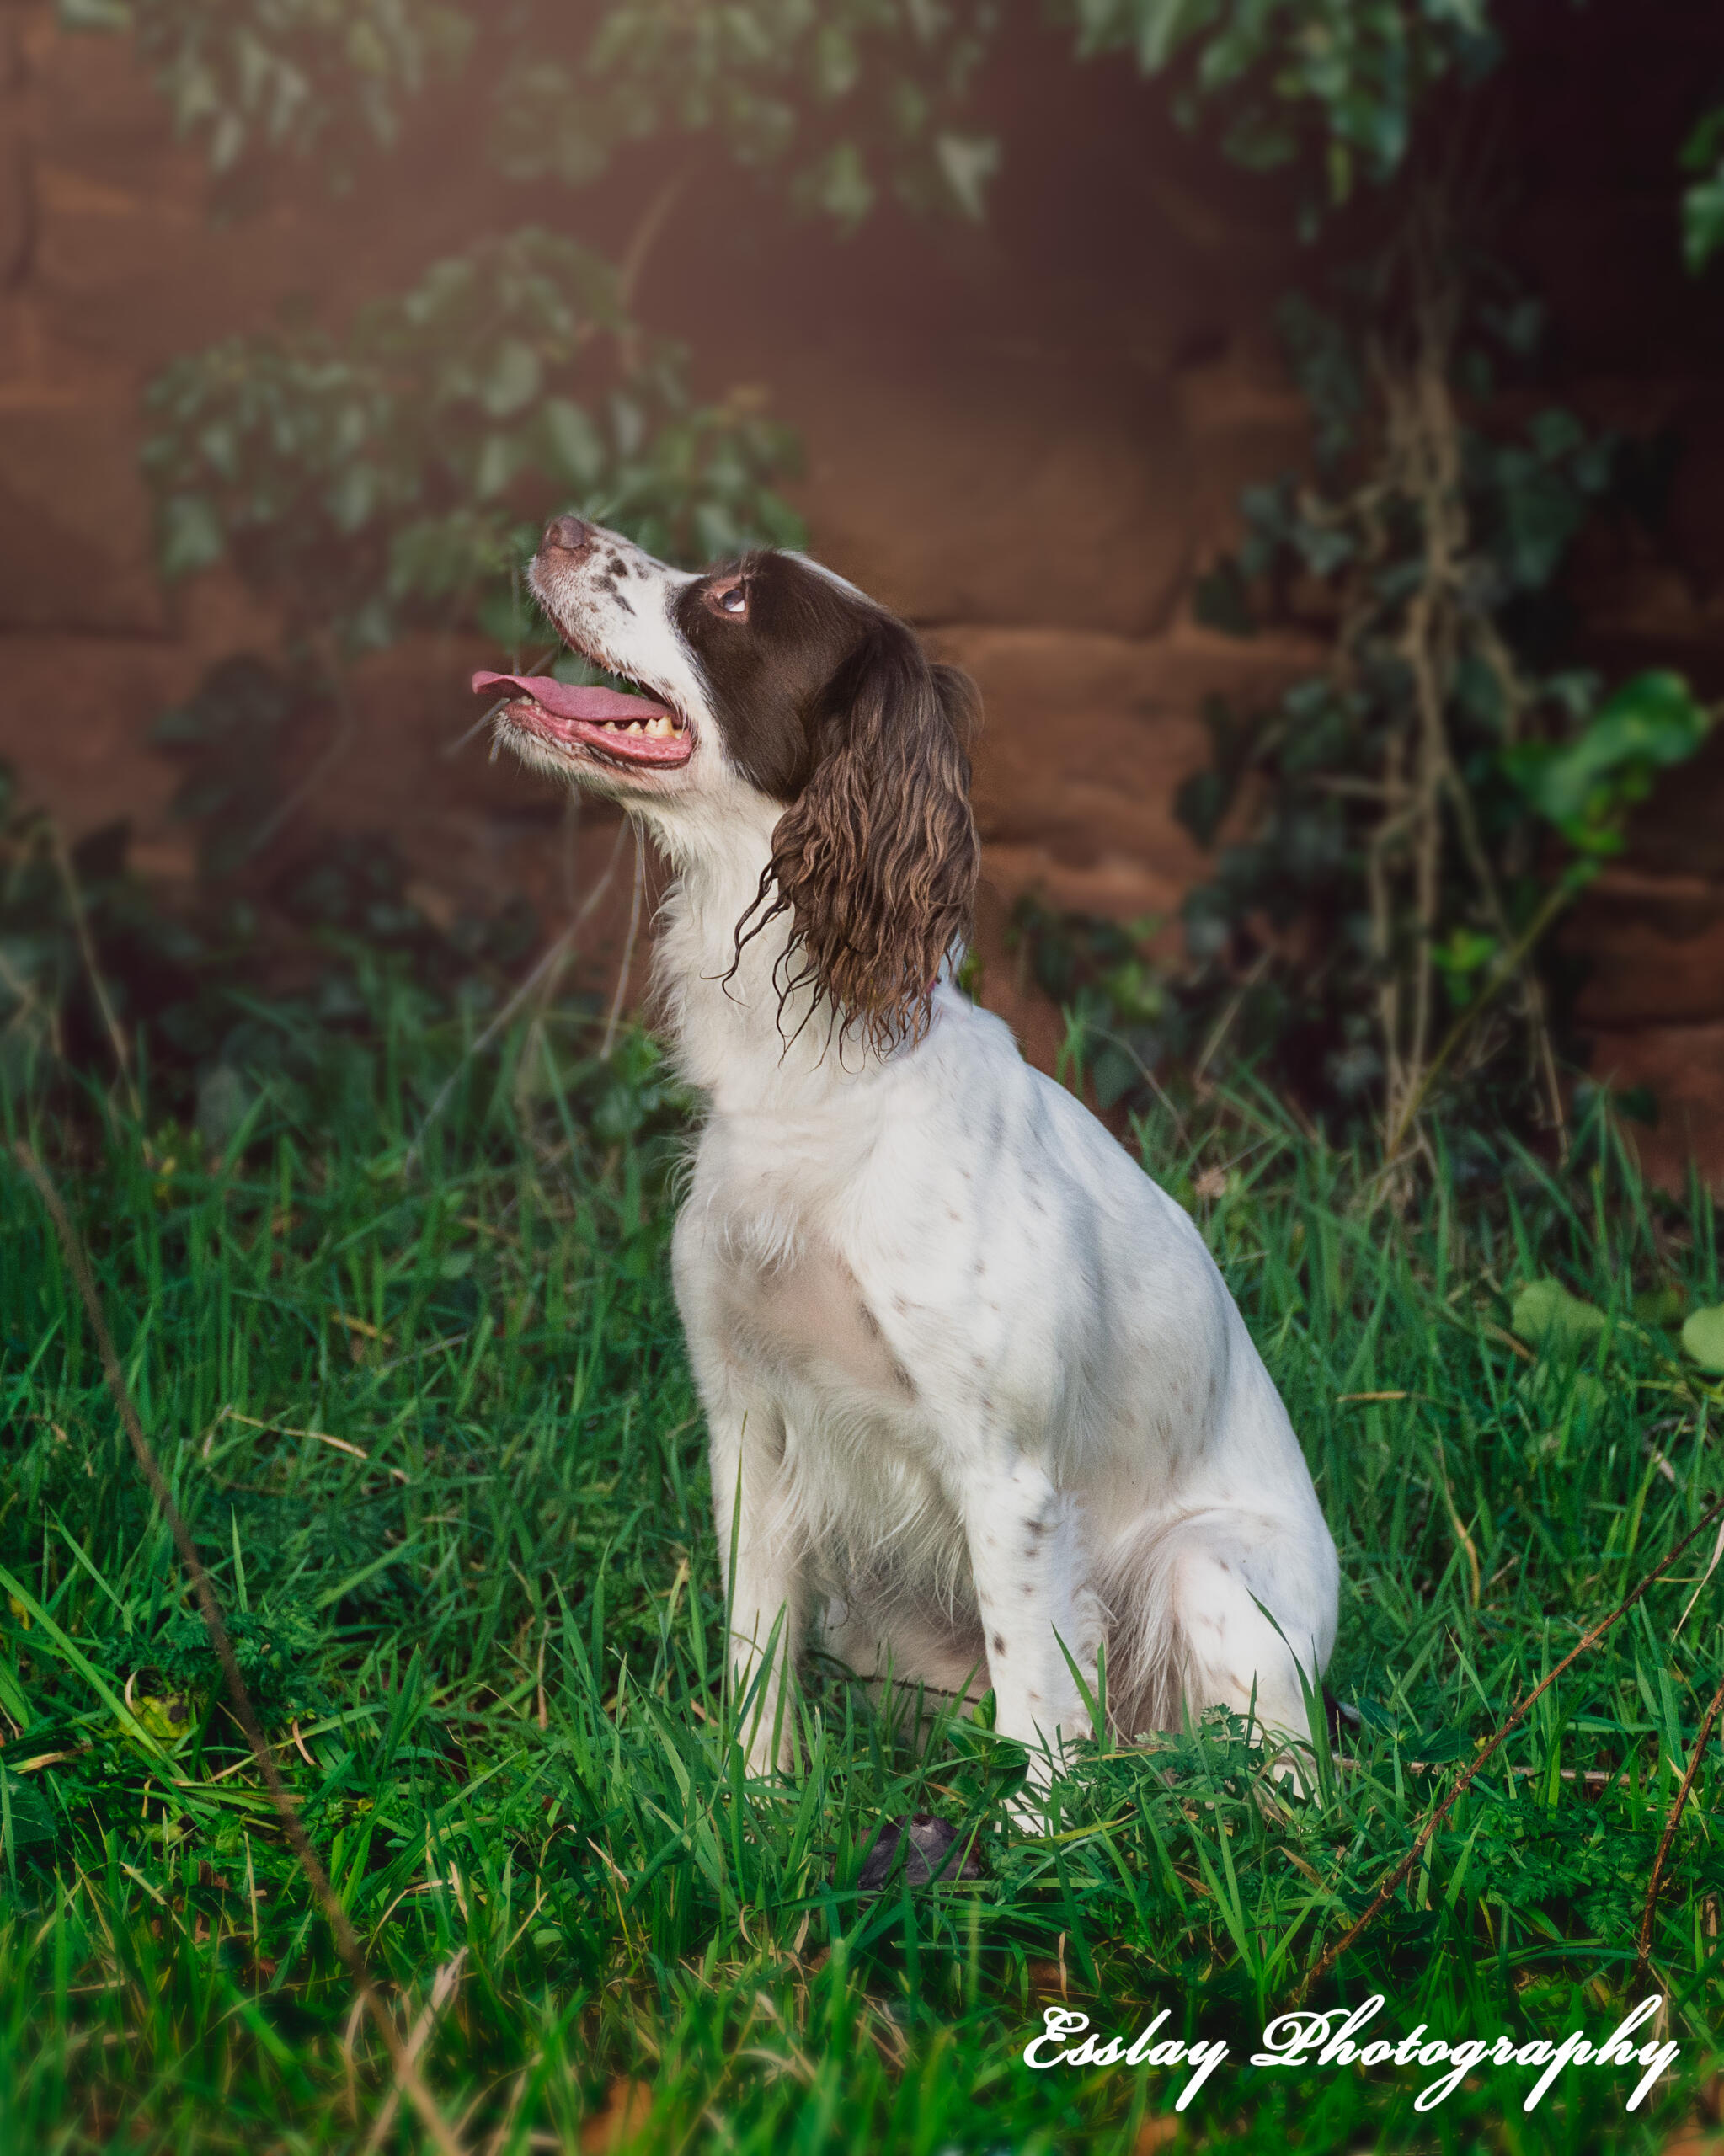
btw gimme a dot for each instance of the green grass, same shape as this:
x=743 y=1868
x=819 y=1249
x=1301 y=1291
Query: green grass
x=491 y=1613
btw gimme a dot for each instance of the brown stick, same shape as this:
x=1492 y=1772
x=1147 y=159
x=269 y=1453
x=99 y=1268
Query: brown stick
x=1503 y=972
x=406 y=2074
x=1651 y=1910
x=622 y=970
x=346 y=729
x=1389 y=1887
x=98 y=987
x=545 y=972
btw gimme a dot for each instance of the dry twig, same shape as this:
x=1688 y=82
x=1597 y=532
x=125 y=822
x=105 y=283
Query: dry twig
x=1487 y=1752
x=1644 y=1943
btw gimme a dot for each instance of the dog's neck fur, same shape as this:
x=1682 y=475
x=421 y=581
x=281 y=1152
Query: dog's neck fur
x=731 y=1036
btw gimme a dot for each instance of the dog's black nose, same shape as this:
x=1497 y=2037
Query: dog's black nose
x=567 y=534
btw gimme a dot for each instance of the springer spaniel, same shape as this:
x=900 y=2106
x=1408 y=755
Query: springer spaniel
x=979 y=1404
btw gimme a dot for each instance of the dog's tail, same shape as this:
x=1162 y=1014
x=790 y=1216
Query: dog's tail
x=1186 y=1595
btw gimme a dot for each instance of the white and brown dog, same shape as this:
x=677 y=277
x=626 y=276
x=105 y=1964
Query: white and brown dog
x=980 y=1403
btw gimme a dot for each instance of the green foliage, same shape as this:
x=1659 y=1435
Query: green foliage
x=301 y=75
x=88 y=953
x=1427 y=806
x=1547 y=1316
x=1586 y=784
x=1434 y=799
x=234 y=738
x=1123 y=1016
x=1703 y=198
x=400 y=472
x=838 y=100
x=1703 y=1337
x=518 y=1765
x=1338 y=83
x=271 y=1649
x=57 y=905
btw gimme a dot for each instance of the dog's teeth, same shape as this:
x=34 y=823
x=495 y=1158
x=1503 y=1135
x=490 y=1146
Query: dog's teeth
x=635 y=727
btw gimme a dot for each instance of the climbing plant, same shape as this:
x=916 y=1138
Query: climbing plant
x=398 y=472
x=1399 y=835
x=1444 y=789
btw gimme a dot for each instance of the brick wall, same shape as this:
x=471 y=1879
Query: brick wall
x=1028 y=440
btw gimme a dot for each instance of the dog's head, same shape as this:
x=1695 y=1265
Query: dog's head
x=772 y=683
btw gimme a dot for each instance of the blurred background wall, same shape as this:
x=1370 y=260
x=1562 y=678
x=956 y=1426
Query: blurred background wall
x=1028 y=436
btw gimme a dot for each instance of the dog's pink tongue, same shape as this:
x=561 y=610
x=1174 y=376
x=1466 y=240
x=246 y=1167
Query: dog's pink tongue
x=564 y=701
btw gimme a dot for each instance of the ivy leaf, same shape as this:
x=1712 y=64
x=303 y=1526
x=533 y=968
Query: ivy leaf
x=1586 y=785
x=30 y=1815
x=500 y=457
x=512 y=379
x=966 y=163
x=1703 y=221
x=1662 y=1307
x=1547 y=1317
x=1703 y=199
x=190 y=535
x=840 y=184
x=1703 y=1338
x=1465 y=952
x=574 y=451
x=353 y=496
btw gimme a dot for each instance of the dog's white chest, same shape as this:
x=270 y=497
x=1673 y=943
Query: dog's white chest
x=801 y=1318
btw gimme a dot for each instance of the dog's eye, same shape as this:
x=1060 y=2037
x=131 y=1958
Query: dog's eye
x=732 y=600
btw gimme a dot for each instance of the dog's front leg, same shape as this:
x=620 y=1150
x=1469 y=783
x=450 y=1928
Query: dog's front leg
x=1027 y=1562
x=760 y=1558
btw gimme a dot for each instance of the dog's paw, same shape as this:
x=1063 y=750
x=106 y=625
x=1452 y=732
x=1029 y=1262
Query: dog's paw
x=933 y=1853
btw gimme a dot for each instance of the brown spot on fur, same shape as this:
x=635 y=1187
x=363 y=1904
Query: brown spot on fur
x=999 y=1643
x=876 y=857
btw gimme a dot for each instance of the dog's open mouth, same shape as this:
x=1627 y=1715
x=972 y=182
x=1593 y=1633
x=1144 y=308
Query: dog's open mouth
x=619 y=727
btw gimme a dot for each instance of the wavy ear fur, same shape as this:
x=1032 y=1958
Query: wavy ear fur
x=876 y=860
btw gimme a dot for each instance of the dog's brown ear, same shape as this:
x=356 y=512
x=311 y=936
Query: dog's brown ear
x=876 y=860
